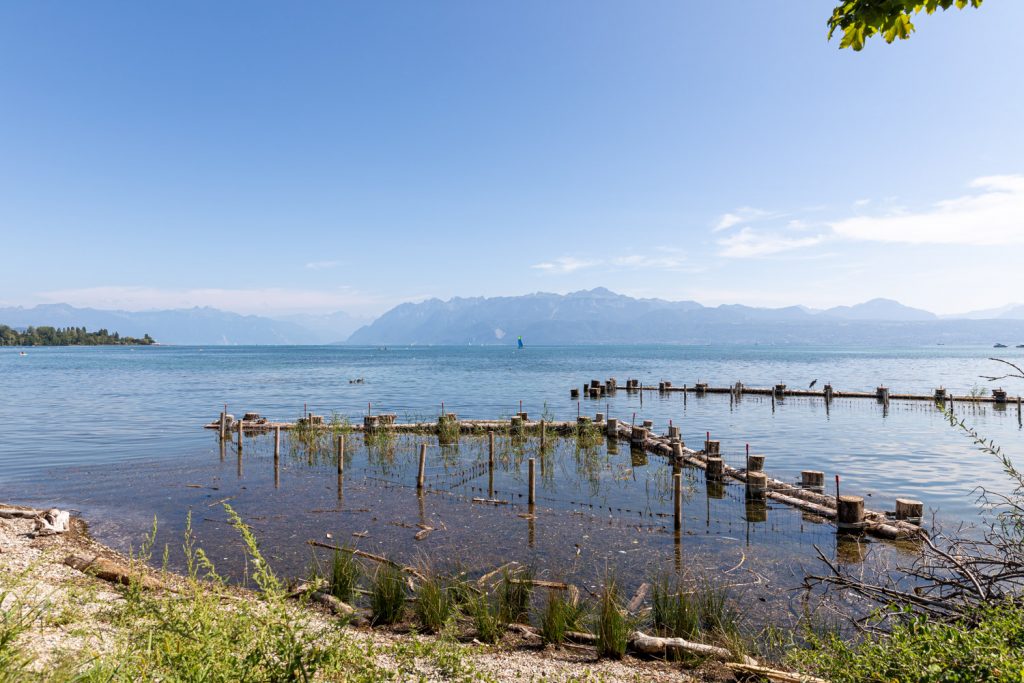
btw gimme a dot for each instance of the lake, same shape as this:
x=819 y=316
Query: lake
x=116 y=434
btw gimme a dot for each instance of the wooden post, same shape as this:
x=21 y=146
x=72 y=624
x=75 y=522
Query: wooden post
x=341 y=454
x=422 y=477
x=677 y=451
x=223 y=425
x=850 y=513
x=277 y=456
x=1018 y=413
x=490 y=447
x=755 y=463
x=812 y=479
x=715 y=468
x=909 y=509
x=757 y=485
x=532 y=490
x=684 y=396
x=612 y=428
x=239 y=436
x=542 y=437
x=712 y=448
x=773 y=401
x=677 y=507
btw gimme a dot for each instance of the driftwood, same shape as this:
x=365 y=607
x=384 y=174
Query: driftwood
x=571 y=636
x=654 y=645
x=492 y=501
x=412 y=571
x=52 y=521
x=638 y=599
x=773 y=674
x=339 y=607
x=15 y=513
x=112 y=571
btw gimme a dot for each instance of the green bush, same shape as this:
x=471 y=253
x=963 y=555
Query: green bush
x=989 y=648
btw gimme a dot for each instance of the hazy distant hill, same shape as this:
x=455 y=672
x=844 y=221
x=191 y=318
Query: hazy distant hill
x=179 y=326
x=879 y=309
x=604 y=317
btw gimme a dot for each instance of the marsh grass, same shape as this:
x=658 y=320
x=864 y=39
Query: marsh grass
x=559 y=617
x=387 y=595
x=435 y=605
x=514 y=592
x=610 y=623
x=344 y=576
x=674 y=610
x=486 y=614
x=588 y=435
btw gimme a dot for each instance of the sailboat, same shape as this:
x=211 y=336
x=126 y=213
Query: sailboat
x=519 y=342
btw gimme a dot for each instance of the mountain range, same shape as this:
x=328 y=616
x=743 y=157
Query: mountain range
x=596 y=316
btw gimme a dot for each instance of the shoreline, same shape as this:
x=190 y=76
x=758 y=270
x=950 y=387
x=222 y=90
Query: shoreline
x=72 y=611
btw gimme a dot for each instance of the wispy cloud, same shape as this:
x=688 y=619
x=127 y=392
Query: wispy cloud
x=744 y=214
x=269 y=300
x=565 y=264
x=992 y=216
x=664 y=258
x=322 y=265
x=750 y=243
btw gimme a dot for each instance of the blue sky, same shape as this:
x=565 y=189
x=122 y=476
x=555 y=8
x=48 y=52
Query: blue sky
x=316 y=156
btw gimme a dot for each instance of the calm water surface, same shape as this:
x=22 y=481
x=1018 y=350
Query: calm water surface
x=115 y=433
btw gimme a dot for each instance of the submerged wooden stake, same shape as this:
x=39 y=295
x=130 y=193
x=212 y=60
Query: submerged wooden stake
x=532 y=491
x=677 y=487
x=490 y=448
x=422 y=477
x=223 y=425
x=239 y=436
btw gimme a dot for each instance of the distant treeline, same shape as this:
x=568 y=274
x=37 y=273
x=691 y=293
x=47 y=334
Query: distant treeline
x=65 y=336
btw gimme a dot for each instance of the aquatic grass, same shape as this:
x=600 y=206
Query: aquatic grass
x=674 y=611
x=346 y=571
x=448 y=429
x=610 y=623
x=514 y=592
x=434 y=606
x=486 y=614
x=387 y=595
x=559 y=617
x=588 y=435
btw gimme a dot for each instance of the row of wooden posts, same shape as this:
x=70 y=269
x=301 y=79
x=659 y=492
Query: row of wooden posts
x=849 y=511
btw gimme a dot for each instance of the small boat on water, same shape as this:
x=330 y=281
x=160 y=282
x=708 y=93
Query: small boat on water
x=999 y=346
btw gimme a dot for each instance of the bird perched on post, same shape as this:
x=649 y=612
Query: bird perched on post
x=812 y=384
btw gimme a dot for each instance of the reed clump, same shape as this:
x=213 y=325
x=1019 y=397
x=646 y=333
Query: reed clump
x=610 y=623
x=387 y=595
x=560 y=616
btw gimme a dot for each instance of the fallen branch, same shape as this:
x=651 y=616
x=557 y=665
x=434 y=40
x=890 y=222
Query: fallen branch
x=654 y=645
x=112 y=571
x=412 y=571
x=773 y=674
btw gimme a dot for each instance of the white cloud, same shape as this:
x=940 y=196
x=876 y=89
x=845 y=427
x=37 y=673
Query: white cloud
x=665 y=258
x=992 y=216
x=565 y=264
x=748 y=243
x=744 y=214
x=271 y=300
x=321 y=265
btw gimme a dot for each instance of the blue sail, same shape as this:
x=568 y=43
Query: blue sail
x=520 y=342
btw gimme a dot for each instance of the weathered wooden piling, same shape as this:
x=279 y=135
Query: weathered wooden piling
x=674 y=433
x=532 y=499
x=712 y=448
x=1018 y=413
x=277 y=456
x=812 y=479
x=999 y=395
x=849 y=513
x=223 y=425
x=757 y=485
x=882 y=394
x=612 y=427
x=240 y=432
x=909 y=509
x=755 y=463
x=648 y=424
x=780 y=390
x=677 y=451
x=677 y=500
x=490 y=448
x=715 y=468
x=637 y=435
x=574 y=393
x=421 y=478
x=940 y=395
x=828 y=393
x=599 y=418
x=701 y=387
